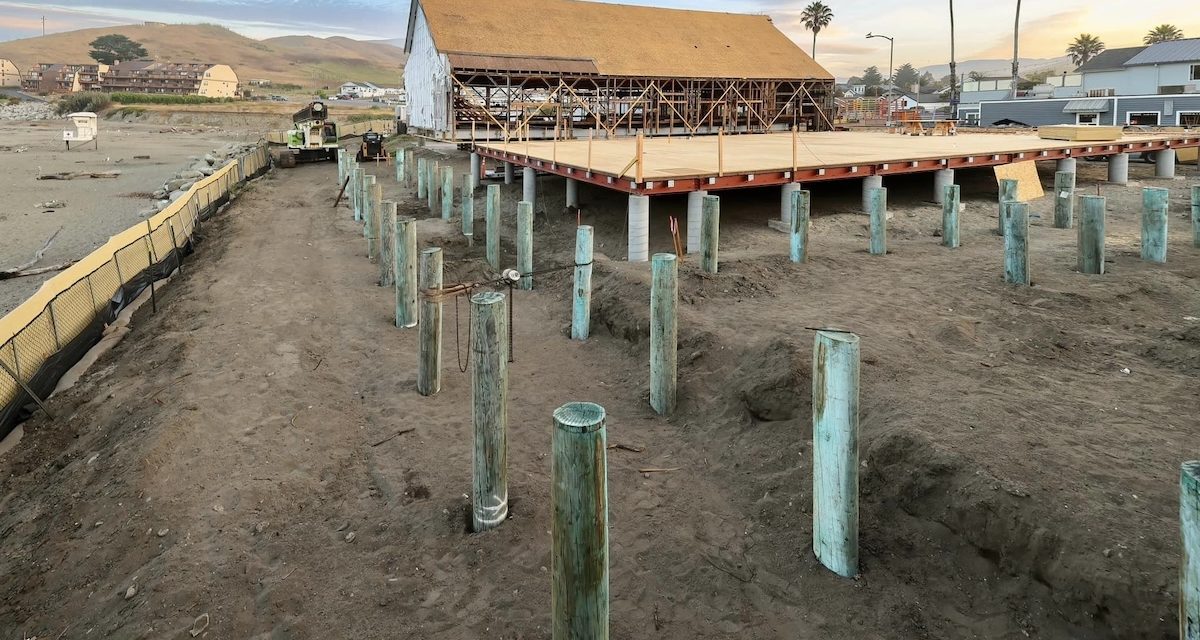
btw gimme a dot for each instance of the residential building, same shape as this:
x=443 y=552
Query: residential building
x=10 y=76
x=181 y=78
x=365 y=90
x=48 y=77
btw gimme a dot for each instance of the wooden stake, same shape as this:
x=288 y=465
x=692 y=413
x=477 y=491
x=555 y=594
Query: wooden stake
x=405 y=274
x=489 y=398
x=1189 y=569
x=664 y=332
x=525 y=245
x=579 y=598
x=447 y=193
x=1090 y=239
x=951 y=203
x=878 y=206
x=800 y=222
x=1064 y=199
x=1154 y=224
x=835 y=451
x=1196 y=217
x=468 y=209
x=387 y=228
x=710 y=232
x=1008 y=193
x=581 y=298
x=640 y=158
x=1016 y=243
x=721 y=153
x=492 y=225
x=429 y=366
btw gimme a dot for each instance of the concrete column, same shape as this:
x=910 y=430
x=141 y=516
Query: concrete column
x=476 y=168
x=785 y=201
x=942 y=179
x=1164 y=164
x=639 y=228
x=508 y=173
x=1118 y=168
x=572 y=193
x=529 y=186
x=695 y=205
x=1066 y=164
x=869 y=184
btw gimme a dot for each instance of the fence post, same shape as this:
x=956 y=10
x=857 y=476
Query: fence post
x=447 y=192
x=357 y=183
x=387 y=236
x=374 y=204
x=1016 y=243
x=489 y=383
x=1064 y=199
x=579 y=539
x=1008 y=193
x=1154 y=224
x=405 y=276
x=835 y=451
x=492 y=225
x=950 y=205
x=1189 y=570
x=1090 y=238
x=581 y=299
x=710 y=232
x=877 y=199
x=429 y=366
x=800 y=204
x=664 y=332
x=468 y=209
x=525 y=245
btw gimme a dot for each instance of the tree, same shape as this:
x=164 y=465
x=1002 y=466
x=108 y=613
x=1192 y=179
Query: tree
x=1163 y=33
x=929 y=84
x=1085 y=47
x=815 y=17
x=976 y=76
x=871 y=77
x=113 y=47
x=906 y=77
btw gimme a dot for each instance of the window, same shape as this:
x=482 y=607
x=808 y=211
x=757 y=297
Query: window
x=1196 y=72
x=1101 y=93
x=1087 y=118
x=1143 y=118
x=1190 y=119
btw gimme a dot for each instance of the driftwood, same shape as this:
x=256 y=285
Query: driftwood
x=23 y=270
x=71 y=175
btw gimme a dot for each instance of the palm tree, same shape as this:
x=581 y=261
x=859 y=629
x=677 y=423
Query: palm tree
x=1163 y=33
x=815 y=17
x=1085 y=47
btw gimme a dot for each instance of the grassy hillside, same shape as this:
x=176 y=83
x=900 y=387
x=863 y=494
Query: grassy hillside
x=302 y=60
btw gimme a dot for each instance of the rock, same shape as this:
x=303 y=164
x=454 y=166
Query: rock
x=210 y=159
x=199 y=625
x=160 y=194
x=163 y=532
x=176 y=184
x=190 y=174
x=27 y=111
x=130 y=592
x=175 y=195
x=350 y=537
x=53 y=204
x=207 y=171
x=261 y=526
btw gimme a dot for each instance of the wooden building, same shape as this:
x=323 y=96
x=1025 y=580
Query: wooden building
x=546 y=68
x=49 y=77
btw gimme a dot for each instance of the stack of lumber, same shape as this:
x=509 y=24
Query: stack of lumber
x=1080 y=133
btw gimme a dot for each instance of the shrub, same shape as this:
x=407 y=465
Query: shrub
x=164 y=98
x=86 y=101
x=286 y=86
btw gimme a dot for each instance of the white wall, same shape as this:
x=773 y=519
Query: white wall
x=1140 y=80
x=426 y=80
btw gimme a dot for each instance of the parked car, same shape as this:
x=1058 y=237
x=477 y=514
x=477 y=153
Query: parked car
x=279 y=99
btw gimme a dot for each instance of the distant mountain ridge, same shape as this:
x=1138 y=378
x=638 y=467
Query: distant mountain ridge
x=1001 y=67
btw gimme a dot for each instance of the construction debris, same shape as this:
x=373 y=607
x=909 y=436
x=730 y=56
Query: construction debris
x=72 y=175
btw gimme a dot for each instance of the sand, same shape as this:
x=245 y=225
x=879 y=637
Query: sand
x=1016 y=482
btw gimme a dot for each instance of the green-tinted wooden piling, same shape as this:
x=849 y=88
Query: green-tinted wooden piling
x=579 y=597
x=664 y=331
x=835 y=451
x=1189 y=567
x=801 y=203
x=447 y=193
x=371 y=217
x=434 y=186
x=489 y=398
x=429 y=366
x=1008 y=193
x=877 y=199
x=387 y=237
x=492 y=225
x=400 y=158
x=1154 y=223
x=410 y=167
x=468 y=209
x=1090 y=250
x=525 y=245
x=951 y=204
x=405 y=277
x=358 y=188
x=581 y=298
x=422 y=173
x=1016 y=243
x=710 y=232
x=1196 y=217
x=1064 y=199
x=341 y=160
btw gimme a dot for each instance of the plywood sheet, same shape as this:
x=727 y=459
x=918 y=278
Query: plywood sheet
x=1187 y=155
x=1080 y=133
x=1029 y=185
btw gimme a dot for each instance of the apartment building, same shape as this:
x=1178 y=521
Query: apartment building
x=182 y=78
x=10 y=76
x=49 y=77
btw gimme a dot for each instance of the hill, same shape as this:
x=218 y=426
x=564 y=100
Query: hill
x=1002 y=67
x=303 y=60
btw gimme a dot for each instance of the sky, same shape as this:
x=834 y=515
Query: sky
x=920 y=27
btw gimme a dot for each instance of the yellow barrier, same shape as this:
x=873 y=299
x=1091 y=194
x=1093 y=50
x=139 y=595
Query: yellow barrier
x=66 y=304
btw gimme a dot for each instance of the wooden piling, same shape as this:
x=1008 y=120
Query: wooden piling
x=422 y=175
x=1196 y=217
x=835 y=451
x=1064 y=199
x=400 y=166
x=1090 y=237
x=492 y=225
x=371 y=217
x=800 y=222
x=951 y=203
x=1008 y=193
x=1189 y=567
x=579 y=597
x=1154 y=224
x=432 y=186
x=1016 y=243
x=581 y=298
x=525 y=245
x=387 y=227
x=405 y=276
x=447 y=193
x=664 y=332
x=468 y=208
x=878 y=211
x=429 y=366
x=358 y=184
x=410 y=166
x=489 y=399
x=710 y=232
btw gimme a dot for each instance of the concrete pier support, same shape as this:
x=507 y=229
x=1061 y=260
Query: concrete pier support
x=1066 y=164
x=572 y=193
x=1118 y=168
x=529 y=186
x=695 y=205
x=869 y=184
x=785 y=201
x=476 y=168
x=639 y=228
x=508 y=173
x=942 y=179
x=1164 y=164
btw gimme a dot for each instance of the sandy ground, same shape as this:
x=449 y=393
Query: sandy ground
x=95 y=208
x=1015 y=481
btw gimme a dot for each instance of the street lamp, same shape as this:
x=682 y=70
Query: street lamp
x=891 y=56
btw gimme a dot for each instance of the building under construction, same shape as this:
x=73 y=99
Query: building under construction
x=559 y=68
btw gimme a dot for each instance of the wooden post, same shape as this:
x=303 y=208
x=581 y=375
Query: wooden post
x=664 y=332
x=1196 y=217
x=641 y=170
x=489 y=397
x=410 y=167
x=1064 y=199
x=525 y=245
x=878 y=202
x=1008 y=193
x=432 y=186
x=795 y=140
x=1189 y=568
x=581 y=299
x=387 y=236
x=468 y=209
x=835 y=451
x=579 y=532
x=1154 y=224
x=710 y=232
x=371 y=217
x=721 y=152
x=400 y=166
x=405 y=277
x=800 y=221
x=358 y=185
x=1090 y=238
x=429 y=366
x=447 y=192
x=422 y=175
x=1016 y=243
x=492 y=225
x=950 y=206
x=341 y=160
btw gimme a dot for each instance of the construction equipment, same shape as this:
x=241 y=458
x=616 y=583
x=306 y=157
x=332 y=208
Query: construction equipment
x=371 y=147
x=312 y=138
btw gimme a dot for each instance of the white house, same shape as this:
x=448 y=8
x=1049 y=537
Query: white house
x=362 y=89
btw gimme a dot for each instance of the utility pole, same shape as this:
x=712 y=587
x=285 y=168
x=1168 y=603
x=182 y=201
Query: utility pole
x=953 y=68
x=1016 y=49
x=43 y=25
